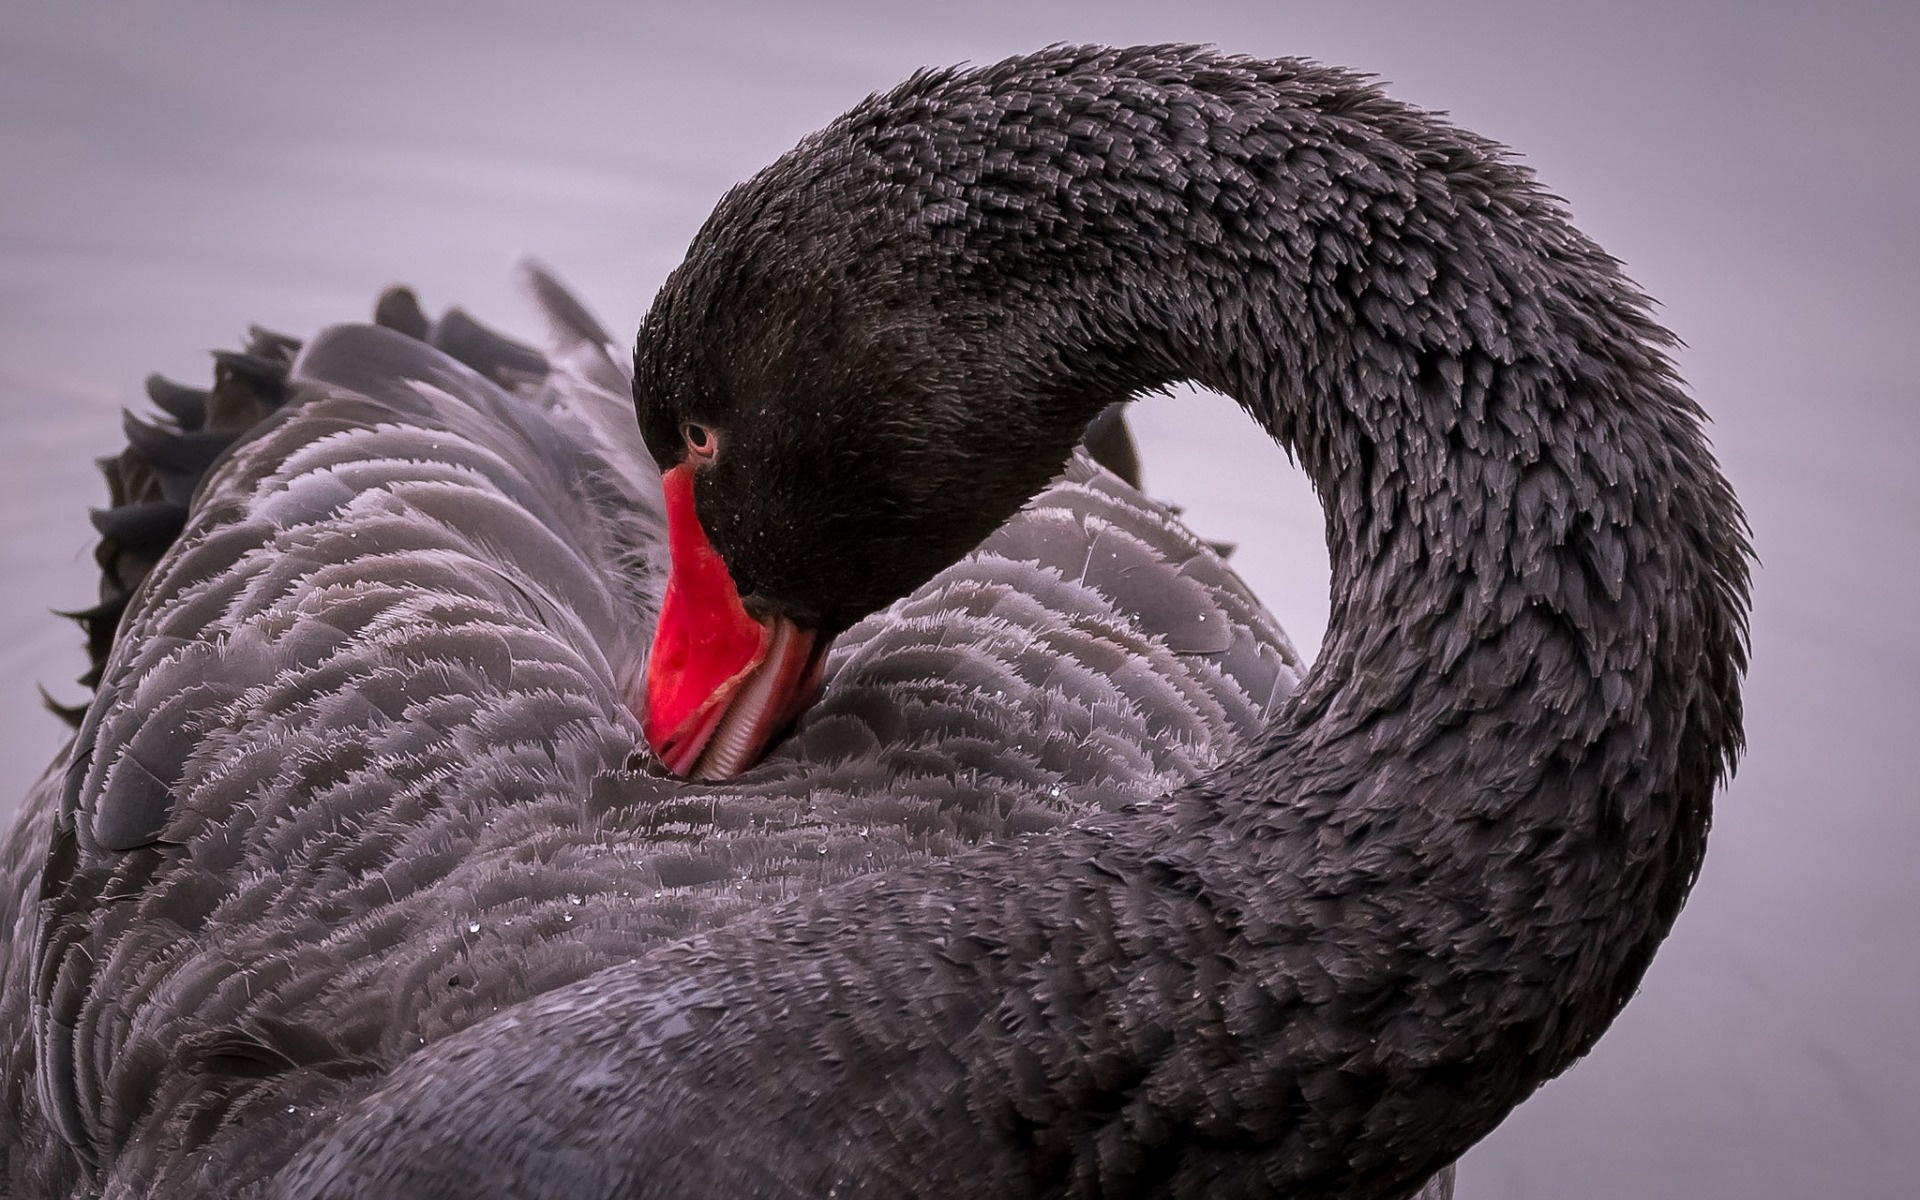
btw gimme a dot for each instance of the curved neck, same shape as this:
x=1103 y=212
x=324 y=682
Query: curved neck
x=1528 y=688
x=1525 y=524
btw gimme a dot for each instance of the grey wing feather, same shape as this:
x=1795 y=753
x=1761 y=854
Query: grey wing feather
x=363 y=771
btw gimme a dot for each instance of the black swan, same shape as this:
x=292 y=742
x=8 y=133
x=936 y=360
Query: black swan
x=1324 y=968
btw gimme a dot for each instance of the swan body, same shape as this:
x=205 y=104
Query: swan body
x=362 y=768
x=1321 y=966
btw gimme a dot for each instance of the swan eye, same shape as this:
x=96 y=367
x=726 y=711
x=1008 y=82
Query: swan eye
x=702 y=442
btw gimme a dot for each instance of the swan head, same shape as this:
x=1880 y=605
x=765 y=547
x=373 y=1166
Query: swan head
x=839 y=416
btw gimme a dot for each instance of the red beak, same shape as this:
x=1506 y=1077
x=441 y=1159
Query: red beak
x=720 y=685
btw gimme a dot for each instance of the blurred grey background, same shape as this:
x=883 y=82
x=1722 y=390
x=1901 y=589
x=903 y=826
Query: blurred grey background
x=170 y=173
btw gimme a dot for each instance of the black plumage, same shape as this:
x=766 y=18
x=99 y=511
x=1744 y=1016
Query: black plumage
x=378 y=695
x=1322 y=968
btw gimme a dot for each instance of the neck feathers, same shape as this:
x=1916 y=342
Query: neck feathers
x=1529 y=686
